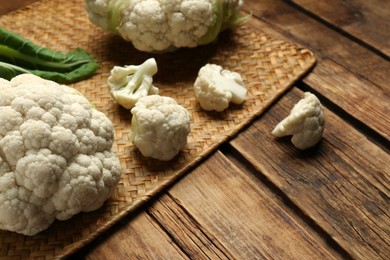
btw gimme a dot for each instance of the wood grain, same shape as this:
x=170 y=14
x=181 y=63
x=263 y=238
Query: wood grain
x=352 y=77
x=258 y=197
x=327 y=43
x=369 y=23
x=343 y=184
x=194 y=239
x=355 y=95
x=136 y=241
x=207 y=218
x=234 y=209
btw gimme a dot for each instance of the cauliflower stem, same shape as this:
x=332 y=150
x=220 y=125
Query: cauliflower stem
x=238 y=91
x=129 y=83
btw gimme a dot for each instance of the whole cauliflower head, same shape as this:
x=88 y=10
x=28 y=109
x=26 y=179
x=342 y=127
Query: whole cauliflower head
x=216 y=87
x=55 y=154
x=164 y=25
x=159 y=127
x=305 y=123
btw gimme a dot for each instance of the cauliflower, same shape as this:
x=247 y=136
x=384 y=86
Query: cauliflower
x=216 y=87
x=127 y=84
x=55 y=154
x=159 y=127
x=164 y=25
x=305 y=123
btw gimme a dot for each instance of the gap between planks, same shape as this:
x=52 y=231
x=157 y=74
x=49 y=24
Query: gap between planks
x=255 y=173
x=338 y=75
x=242 y=216
x=277 y=17
x=366 y=43
x=341 y=184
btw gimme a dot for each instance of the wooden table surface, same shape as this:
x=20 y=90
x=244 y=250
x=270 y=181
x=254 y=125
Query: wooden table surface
x=258 y=197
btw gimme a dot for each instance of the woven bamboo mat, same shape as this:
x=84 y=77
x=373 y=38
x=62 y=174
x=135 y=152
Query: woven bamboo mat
x=268 y=66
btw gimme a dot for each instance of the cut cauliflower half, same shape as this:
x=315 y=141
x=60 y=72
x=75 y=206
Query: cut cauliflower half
x=129 y=83
x=55 y=154
x=159 y=127
x=305 y=123
x=216 y=87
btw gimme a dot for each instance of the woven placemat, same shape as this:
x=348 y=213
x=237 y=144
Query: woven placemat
x=268 y=66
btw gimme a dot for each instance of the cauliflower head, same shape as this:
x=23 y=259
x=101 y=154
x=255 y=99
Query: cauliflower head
x=216 y=87
x=55 y=154
x=164 y=25
x=305 y=123
x=159 y=127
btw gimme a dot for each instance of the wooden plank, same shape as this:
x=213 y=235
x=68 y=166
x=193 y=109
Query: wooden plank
x=356 y=96
x=336 y=75
x=343 y=184
x=185 y=230
x=138 y=237
x=368 y=21
x=203 y=219
x=238 y=215
x=326 y=43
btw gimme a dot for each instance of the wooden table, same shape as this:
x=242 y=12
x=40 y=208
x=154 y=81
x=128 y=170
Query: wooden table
x=258 y=197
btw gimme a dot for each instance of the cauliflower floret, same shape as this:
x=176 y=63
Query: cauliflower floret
x=129 y=83
x=164 y=25
x=159 y=127
x=55 y=154
x=305 y=123
x=216 y=87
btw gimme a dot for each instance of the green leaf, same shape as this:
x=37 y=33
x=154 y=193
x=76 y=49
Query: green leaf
x=19 y=55
x=8 y=71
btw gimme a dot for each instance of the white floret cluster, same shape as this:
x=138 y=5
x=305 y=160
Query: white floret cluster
x=305 y=123
x=160 y=127
x=55 y=154
x=160 y=25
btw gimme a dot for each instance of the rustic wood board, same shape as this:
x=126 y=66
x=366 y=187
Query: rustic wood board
x=342 y=184
x=269 y=67
x=367 y=22
x=240 y=217
x=351 y=76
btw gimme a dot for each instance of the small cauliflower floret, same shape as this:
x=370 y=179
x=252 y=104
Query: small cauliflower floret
x=159 y=127
x=55 y=154
x=164 y=25
x=216 y=87
x=129 y=83
x=305 y=123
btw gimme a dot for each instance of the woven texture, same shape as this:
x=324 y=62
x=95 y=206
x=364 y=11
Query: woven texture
x=268 y=66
